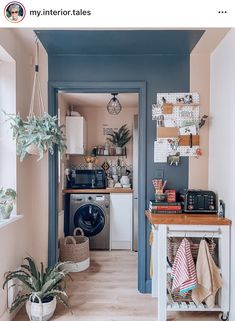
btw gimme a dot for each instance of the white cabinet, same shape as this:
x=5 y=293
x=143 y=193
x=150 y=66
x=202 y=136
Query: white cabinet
x=75 y=135
x=121 y=221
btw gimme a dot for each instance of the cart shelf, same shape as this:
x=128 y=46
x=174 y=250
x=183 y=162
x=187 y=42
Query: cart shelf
x=196 y=226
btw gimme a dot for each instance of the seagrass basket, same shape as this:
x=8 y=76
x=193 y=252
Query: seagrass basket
x=74 y=250
x=174 y=243
x=176 y=296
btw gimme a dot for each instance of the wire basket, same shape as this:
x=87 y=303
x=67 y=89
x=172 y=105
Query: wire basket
x=174 y=243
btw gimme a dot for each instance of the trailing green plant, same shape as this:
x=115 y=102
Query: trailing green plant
x=7 y=200
x=42 y=132
x=43 y=284
x=120 y=137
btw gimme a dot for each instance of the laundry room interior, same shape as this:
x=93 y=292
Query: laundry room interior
x=95 y=178
x=134 y=174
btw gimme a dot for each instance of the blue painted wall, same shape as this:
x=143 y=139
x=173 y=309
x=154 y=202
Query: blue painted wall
x=162 y=73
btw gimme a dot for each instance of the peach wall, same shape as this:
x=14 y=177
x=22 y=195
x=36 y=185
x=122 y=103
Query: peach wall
x=28 y=235
x=200 y=82
x=16 y=238
x=97 y=118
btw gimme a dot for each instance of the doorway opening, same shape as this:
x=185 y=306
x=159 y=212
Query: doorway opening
x=88 y=147
x=56 y=182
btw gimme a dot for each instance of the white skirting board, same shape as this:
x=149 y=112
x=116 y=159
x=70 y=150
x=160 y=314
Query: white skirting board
x=121 y=245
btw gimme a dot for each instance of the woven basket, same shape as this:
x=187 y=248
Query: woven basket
x=75 y=250
x=174 y=243
x=176 y=296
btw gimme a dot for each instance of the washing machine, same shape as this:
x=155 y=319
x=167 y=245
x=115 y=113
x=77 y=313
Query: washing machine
x=91 y=212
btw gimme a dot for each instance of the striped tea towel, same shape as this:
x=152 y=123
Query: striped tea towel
x=183 y=269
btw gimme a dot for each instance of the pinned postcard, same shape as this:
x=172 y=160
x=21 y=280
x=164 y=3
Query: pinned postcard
x=187 y=130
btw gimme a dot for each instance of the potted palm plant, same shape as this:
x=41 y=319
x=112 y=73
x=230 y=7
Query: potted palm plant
x=7 y=200
x=37 y=134
x=120 y=138
x=40 y=289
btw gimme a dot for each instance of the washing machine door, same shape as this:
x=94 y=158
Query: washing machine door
x=90 y=218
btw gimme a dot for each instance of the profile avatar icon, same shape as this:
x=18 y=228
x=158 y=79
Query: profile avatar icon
x=15 y=12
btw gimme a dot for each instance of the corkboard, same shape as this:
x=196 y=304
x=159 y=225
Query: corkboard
x=167 y=132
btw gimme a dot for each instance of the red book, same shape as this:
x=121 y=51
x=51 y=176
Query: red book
x=166 y=207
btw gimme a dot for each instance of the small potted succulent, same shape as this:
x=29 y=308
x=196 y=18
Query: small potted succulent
x=120 y=138
x=40 y=289
x=7 y=200
x=37 y=134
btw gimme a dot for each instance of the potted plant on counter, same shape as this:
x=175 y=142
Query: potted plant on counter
x=7 y=200
x=120 y=138
x=37 y=134
x=40 y=289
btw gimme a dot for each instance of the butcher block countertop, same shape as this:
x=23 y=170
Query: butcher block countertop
x=98 y=191
x=187 y=219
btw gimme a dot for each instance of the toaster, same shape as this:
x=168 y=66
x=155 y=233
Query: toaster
x=199 y=201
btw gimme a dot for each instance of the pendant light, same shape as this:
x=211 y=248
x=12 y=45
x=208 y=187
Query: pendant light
x=114 y=107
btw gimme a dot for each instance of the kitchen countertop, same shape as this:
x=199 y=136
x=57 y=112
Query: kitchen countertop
x=187 y=219
x=98 y=191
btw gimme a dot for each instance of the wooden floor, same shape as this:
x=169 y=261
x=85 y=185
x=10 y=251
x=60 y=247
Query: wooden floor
x=107 y=291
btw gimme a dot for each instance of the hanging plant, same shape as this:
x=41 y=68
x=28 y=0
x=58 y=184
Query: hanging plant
x=39 y=133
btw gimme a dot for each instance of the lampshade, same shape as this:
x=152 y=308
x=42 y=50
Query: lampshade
x=114 y=107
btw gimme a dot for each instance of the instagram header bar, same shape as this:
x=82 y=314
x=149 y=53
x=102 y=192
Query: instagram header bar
x=123 y=14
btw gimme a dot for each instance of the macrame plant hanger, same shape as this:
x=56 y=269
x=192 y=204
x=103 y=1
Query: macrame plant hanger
x=36 y=87
x=32 y=149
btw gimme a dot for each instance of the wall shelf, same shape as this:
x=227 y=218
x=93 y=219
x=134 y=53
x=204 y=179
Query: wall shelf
x=124 y=153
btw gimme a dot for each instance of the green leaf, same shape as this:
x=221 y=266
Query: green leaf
x=33 y=268
x=18 y=301
x=23 y=278
x=120 y=137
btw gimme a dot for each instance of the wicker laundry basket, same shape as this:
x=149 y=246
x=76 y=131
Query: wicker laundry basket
x=75 y=250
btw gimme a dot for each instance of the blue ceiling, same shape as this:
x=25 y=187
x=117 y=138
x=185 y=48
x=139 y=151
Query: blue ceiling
x=119 y=42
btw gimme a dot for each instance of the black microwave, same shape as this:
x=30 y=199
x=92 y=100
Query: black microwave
x=86 y=179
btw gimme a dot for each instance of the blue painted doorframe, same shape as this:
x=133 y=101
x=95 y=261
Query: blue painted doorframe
x=101 y=87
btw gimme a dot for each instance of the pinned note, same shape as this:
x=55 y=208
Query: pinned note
x=160 y=151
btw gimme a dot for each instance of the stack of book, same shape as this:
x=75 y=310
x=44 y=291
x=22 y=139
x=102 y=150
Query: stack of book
x=165 y=208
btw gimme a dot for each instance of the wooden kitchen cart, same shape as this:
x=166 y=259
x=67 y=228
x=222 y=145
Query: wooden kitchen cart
x=165 y=226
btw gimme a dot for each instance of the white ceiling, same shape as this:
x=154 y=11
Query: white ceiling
x=99 y=99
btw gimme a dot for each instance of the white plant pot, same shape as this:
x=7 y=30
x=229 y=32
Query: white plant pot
x=40 y=311
x=32 y=149
x=125 y=180
x=5 y=212
x=118 y=150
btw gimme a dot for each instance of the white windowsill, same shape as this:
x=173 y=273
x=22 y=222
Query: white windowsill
x=10 y=220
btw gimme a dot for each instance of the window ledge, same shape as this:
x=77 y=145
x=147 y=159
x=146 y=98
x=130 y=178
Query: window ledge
x=10 y=220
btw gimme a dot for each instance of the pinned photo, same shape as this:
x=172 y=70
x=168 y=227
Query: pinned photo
x=14 y=12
